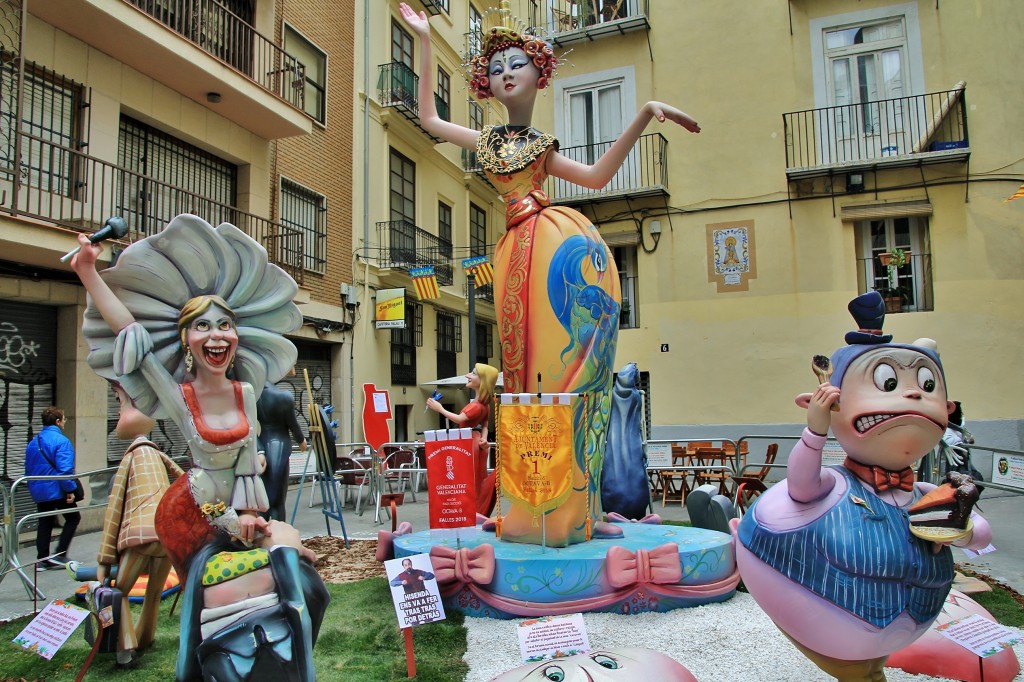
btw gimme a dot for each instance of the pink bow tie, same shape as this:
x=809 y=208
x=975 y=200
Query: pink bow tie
x=466 y=565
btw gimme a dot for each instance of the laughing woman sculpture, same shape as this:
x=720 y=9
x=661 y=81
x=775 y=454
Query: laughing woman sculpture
x=557 y=291
x=189 y=321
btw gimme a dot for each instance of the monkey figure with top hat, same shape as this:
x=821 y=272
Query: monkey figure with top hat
x=828 y=553
x=556 y=288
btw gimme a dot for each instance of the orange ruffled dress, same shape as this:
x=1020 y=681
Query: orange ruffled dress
x=558 y=297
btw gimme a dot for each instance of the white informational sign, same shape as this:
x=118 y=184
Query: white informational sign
x=48 y=631
x=414 y=590
x=979 y=634
x=832 y=453
x=1008 y=470
x=380 y=402
x=659 y=455
x=971 y=554
x=550 y=637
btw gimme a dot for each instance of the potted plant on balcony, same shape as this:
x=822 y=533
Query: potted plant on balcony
x=894 y=298
x=894 y=295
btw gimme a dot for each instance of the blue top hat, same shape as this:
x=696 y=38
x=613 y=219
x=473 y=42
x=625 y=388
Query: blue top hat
x=868 y=312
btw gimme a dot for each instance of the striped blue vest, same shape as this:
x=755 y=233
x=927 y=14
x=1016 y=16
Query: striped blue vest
x=860 y=557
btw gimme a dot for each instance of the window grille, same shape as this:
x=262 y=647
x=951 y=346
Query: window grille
x=403 y=346
x=306 y=211
x=484 y=342
x=53 y=120
x=449 y=342
x=167 y=176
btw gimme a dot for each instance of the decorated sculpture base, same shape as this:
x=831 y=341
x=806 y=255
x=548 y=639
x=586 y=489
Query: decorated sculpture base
x=651 y=568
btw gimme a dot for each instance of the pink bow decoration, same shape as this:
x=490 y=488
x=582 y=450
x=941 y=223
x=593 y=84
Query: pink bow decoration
x=466 y=565
x=615 y=517
x=659 y=565
x=386 y=541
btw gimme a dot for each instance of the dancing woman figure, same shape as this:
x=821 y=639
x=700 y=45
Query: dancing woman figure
x=557 y=289
x=476 y=415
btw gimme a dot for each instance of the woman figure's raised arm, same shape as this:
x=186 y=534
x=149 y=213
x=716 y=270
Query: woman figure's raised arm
x=110 y=306
x=431 y=122
x=598 y=175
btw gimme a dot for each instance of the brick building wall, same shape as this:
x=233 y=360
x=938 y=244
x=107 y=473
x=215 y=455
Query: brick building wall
x=322 y=161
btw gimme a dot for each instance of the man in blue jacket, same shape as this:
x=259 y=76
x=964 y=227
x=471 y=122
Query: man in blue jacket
x=50 y=453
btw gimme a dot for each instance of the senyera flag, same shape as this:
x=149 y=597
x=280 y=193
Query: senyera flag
x=481 y=268
x=425 y=281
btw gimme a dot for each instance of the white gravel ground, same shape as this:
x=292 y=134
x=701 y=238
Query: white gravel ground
x=724 y=642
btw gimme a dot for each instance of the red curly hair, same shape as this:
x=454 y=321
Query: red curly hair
x=538 y=50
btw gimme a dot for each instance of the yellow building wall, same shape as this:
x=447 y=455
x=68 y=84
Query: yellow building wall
x=740 y=357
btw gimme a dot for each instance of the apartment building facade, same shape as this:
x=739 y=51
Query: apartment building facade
x=146 y=109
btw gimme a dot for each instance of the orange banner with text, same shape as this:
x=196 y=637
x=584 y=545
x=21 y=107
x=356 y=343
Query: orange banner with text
x=536 y=455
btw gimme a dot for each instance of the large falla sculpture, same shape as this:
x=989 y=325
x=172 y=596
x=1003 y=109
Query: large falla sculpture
x=190 y=322
x=837 y=556
x=557 y=298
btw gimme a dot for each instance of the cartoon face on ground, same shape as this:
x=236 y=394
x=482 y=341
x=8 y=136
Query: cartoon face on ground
x=892 y=407
x=619 y=663
x=212 y=338
x=513 y=75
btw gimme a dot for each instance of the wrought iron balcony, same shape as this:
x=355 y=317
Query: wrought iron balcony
x=902 y=131
x=400 y=244
x=60 y=186
x=185 y=45
x=644 y=172
x=572 y=21
x=397 y=87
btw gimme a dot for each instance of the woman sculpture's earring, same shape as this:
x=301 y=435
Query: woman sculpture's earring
x=188 y=360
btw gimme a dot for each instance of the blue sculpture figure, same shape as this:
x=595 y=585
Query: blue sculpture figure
x=624 y=485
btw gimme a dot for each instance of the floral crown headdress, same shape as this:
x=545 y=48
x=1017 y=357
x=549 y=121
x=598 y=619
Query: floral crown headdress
x=500 y=30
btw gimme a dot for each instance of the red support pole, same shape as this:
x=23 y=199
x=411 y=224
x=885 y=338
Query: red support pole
x=410 y=655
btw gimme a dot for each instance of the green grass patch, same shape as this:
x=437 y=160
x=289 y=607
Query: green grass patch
x=359 y=642
x=665 y=522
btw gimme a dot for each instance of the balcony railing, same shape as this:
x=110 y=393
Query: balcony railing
x=644 y=172
x=913 y=282
x=400 y=244
x=397 y=87
x=224 y=35
x=79 y=192
x=569 y=21
x=928 y=128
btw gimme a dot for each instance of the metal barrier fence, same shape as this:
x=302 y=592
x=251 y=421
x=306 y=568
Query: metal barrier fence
x=11 y=526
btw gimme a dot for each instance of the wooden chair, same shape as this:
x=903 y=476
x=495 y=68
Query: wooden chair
x=711 y=457
x=745 y=488
x=692 y=445
x=675 y=484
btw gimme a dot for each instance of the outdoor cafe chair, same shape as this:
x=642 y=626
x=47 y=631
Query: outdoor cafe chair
x=751 y=484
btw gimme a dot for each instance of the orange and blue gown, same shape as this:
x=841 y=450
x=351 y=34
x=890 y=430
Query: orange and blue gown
x=558 y=296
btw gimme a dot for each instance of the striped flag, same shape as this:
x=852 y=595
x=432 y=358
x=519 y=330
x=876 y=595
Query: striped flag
x=1016 y=195
x=481 y=268
x=425 y=282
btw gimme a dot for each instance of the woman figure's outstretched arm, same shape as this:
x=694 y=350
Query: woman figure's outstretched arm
x=431 y=122
x=598 y=175
x=106 y=301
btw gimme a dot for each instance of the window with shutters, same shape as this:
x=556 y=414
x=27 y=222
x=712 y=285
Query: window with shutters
x=449 y=342
x=315 y=61
x=907 y=287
